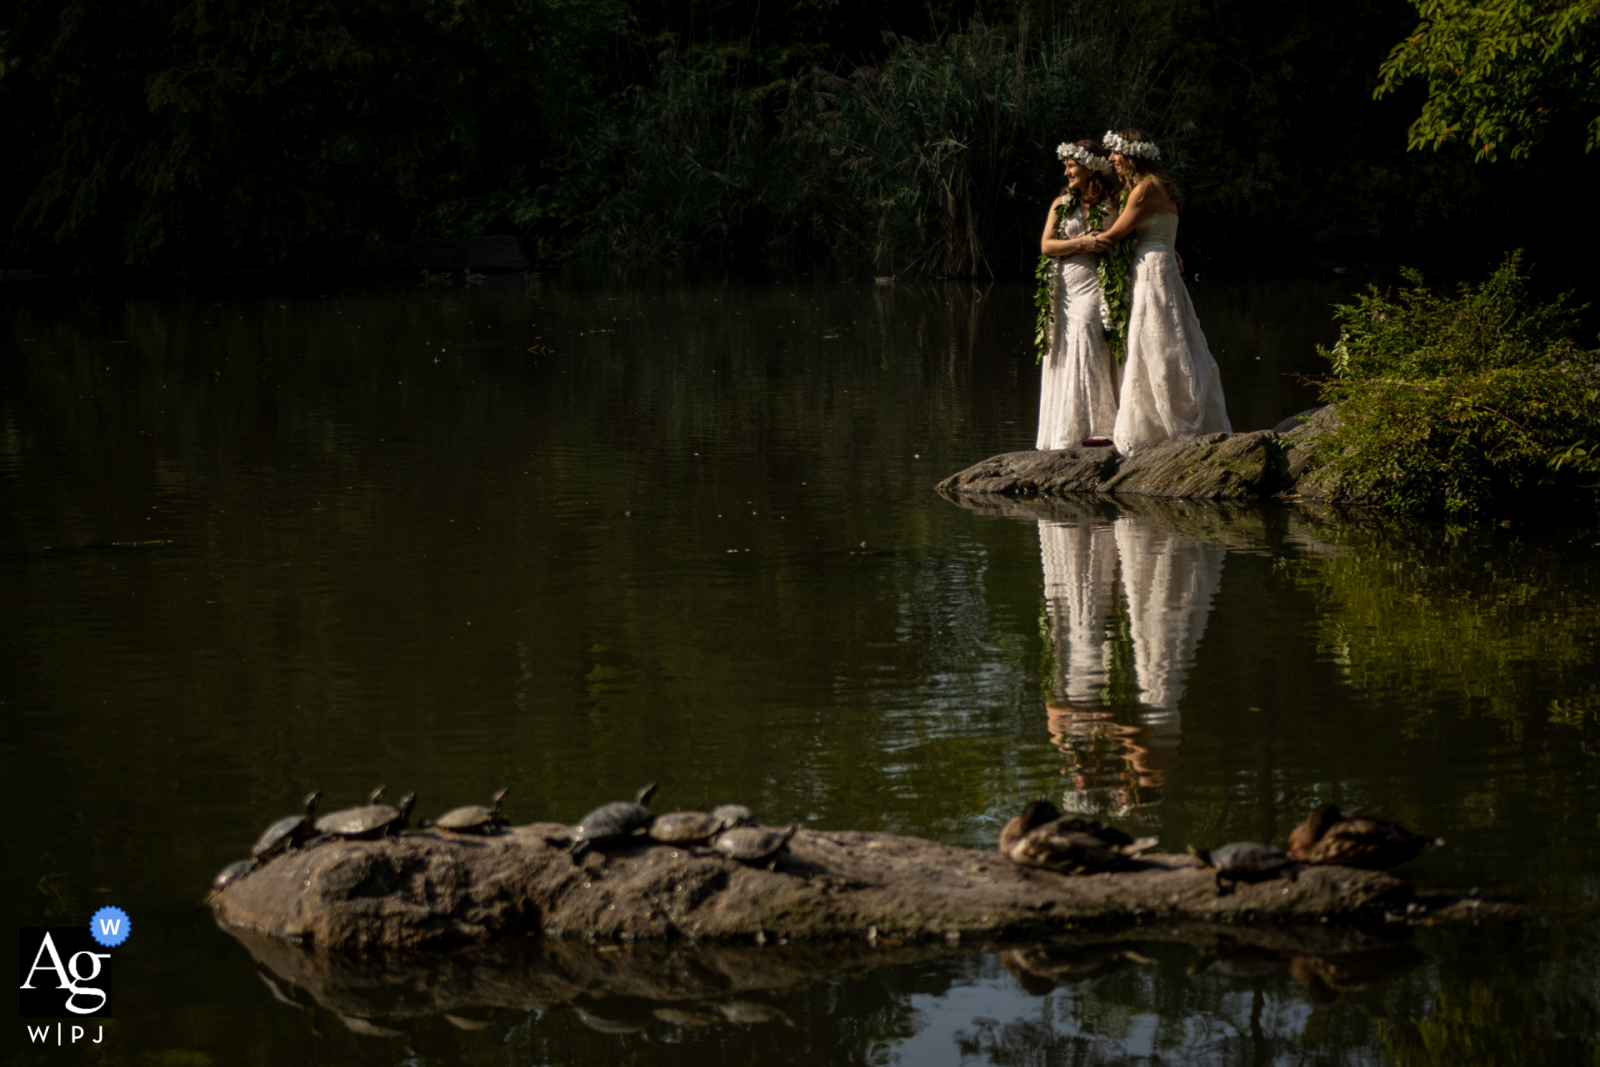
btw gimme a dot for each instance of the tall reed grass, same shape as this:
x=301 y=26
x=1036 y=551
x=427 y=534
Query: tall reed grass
x=935 y=161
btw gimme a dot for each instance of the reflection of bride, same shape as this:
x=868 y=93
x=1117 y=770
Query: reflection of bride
x=1168 y=581
x=1080 y=569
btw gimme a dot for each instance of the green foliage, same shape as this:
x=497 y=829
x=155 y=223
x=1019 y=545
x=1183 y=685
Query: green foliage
x=1499 y=71
x=186 y=138
x=1450 y=402
x=1044 y=291
x=173 y=130
x=1115 y=271
x=675 y=168
x=915 y=166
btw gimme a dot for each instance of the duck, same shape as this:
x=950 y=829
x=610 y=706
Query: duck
x=430 y=278
x=1040 y=836
x=1330 y=838
x=474 y=278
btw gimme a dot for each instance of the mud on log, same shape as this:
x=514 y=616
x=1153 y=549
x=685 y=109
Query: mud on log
x=430 y=889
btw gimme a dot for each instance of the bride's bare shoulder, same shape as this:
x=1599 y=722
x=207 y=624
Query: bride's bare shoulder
x=1152 y=193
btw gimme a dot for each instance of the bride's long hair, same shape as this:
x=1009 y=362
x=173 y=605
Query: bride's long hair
x=1098 y=188
x=1150 y=168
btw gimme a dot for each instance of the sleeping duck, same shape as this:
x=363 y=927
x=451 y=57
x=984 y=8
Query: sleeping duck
x=1042 y=837
x=1327 y=837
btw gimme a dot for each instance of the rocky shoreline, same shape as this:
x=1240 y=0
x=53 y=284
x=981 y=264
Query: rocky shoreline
x=1244 y=466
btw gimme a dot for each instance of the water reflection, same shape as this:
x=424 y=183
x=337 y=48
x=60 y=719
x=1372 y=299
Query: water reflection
x=665 y=1002
x=1127 y=598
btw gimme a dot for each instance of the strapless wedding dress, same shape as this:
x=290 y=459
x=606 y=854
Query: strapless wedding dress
x=1078 y=384
x=1170 y=386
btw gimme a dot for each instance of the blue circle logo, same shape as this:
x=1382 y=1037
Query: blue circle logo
x=110 y=926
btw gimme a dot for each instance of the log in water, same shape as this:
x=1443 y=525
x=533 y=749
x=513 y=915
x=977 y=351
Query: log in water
x=429 y=888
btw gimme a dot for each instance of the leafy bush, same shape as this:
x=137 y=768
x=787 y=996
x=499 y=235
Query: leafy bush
x=1453 y=402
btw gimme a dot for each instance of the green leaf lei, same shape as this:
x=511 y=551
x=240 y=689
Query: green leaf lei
x=1044 y=304
x=1116 y=280
x=1113 y=269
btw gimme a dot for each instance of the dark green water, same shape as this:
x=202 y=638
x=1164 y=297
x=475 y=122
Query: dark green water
x=571 y=539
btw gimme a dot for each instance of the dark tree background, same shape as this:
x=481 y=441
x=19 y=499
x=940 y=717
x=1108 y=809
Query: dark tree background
x=181 y=138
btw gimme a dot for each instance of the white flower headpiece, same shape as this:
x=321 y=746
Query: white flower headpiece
x=1083 y=157
x=1136 y=149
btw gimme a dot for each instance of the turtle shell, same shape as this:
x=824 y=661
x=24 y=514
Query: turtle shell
x=472 y=818
x=289 y=831
x=752 y=842
x=232 y=873
x=734 y=815
x=684 y=827
x=369 y=820
x=612 y=820
x=276 y=837
x=1248 y=858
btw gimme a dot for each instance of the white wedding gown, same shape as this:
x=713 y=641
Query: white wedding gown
x=1170 y=386
x=1080 y=570
x=1078 y=384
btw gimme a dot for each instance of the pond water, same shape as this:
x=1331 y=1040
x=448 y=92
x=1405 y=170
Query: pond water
x=572 y=537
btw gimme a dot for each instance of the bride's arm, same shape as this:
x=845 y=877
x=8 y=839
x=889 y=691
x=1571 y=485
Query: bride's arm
x=1051 y=245
x=1139 y=205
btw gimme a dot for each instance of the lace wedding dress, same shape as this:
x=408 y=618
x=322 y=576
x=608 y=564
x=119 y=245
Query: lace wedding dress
x=1078 y=385
x=1170 y=386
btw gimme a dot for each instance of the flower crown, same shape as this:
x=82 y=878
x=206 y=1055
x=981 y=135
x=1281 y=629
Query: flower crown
x=1136 y=149
x=1083 y=157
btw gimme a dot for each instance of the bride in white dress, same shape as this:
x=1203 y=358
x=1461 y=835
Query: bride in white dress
x=1078 y=385
x=1170 y=386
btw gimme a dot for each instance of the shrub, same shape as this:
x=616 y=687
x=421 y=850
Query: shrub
x=1451 y=403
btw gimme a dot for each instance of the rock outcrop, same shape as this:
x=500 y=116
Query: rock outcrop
x=1245 y=466
x=429 y=888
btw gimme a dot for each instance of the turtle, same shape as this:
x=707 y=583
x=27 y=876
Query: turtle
x=1244 y=861
x=474 y=818
x=1042 y=837
x=685 y=827
x=752 y=844
x=291 y=831
x=368 y=821
x=231 y=874
x=735 y=815
x=611 y=821
x=1329 y=837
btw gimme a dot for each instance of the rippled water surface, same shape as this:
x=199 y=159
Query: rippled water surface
x=570 y=538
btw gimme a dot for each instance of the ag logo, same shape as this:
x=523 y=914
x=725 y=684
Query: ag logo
x=64 y=967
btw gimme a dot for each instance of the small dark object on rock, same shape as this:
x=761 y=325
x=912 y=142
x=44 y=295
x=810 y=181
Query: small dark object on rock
x=735 y=815
x=685 y=827
x=370 y=820
x=232 y=873
x=474 y=818
x=611 y=821
x=752 y=844
x=291 y=831
x=1243 y=861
